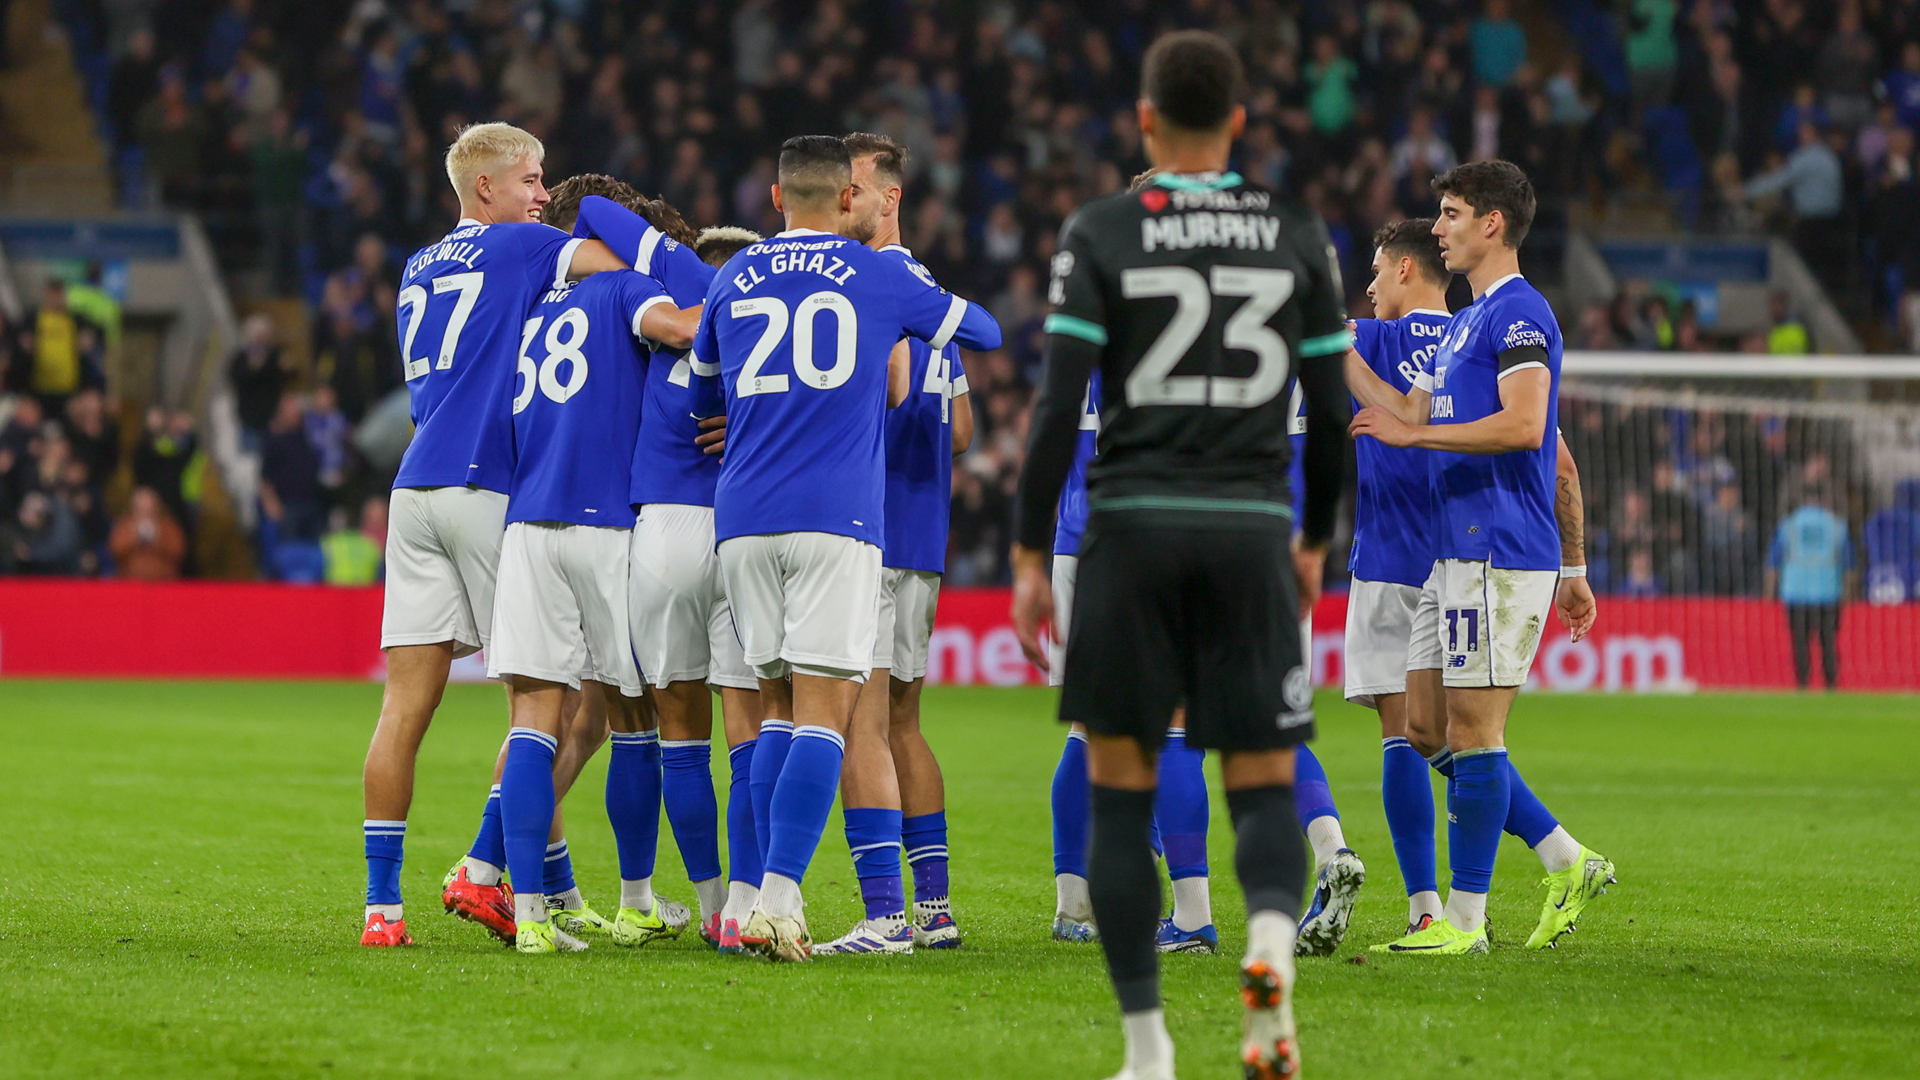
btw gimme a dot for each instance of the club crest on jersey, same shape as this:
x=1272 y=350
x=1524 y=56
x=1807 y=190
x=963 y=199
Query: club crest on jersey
x=1154 y=200
x=1523 y=333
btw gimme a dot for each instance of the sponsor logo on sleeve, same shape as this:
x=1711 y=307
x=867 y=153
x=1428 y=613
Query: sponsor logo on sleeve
x=1523 y=333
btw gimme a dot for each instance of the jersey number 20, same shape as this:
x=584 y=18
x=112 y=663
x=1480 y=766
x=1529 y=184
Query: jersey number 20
x=1153 y=382
x=802 y=320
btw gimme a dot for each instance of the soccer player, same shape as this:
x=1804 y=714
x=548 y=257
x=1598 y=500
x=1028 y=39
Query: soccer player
x=1338 y=873
x=561 y=617
x=1484 y=411
x=891 y=788
x=1196 y=298
x=461 y=305
x=803 y=326
x=682 y=626
x=1392 y=559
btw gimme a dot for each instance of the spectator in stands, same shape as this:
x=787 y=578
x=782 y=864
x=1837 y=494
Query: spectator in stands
x=328 y=431
x=1901 y=88
x=1330 y=102
x=1640 y=580
x=1844 y=69
x=147 y=543
x=135 y=77
x=41 y=538
x=1815 y=184
x=1497 y=46
x=1727 y=544
x=1652 y=52
x=373 y=520
x=292 y=514
x=96 y=445
x=259 y=377
x=1809 y=568
x=351 y=557
x=174 y=132
x=58 y=366
x=1786 y=334
x=160 y=462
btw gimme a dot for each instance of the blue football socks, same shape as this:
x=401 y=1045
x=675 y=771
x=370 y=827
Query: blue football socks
x=873 y=836
x=490 y=846
x=1072 y=802
x=925 y=837
x=769 y=759
x=744 y=863
x=1180 y=807
x=526 y=807
x=1527 y=817
x=1477 y=803
x=1408 y=795
x=385 y=843
x=802 y=799
x=687 y=789
x=1312 y=796
x=559 y=875
x=633 y=801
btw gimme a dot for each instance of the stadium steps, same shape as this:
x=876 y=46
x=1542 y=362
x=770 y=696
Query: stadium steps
x=55 y=161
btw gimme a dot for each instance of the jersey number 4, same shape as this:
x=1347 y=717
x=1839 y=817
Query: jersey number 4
x=414 y=299
x=779 y=319
x=546 y=375
x=1153 y=382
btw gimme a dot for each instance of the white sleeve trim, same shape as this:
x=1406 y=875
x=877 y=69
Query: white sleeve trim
x=640 y=312
x=1423 y=382
x=1522 y=367
x=649 y=241
x=565 y=264
x=955 y=312
x=959 y=384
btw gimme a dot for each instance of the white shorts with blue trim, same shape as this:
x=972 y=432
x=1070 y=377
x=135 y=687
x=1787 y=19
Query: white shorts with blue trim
x=1479 y=624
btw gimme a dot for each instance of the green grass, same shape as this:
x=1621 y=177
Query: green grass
x=181 y=877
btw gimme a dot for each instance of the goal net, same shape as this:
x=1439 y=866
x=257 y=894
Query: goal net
x=1741 y=524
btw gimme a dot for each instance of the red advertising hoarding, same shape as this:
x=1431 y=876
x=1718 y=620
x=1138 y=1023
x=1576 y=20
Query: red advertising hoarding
x=52 y=627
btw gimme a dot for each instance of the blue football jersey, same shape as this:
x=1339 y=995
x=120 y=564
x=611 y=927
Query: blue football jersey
x=919 y=447
x=668 y=467
x=1071 y=518
x=919 y=439
x=461 y=305
x=577 y=401
x=1393 y=509
x=802 y=325
x=1496 y=507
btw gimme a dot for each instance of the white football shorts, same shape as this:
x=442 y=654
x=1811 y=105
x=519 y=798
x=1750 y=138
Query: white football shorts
x=681 y=623
x=443 y=552
x=1379 y=627
x=562 y=609
x=1065 y=569
x=804 y=601
x=1479 y=624
x=904 y=626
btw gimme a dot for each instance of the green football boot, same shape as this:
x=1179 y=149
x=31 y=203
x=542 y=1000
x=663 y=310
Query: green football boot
x=631 y=927
x=1440 y=939
x=1568 y=894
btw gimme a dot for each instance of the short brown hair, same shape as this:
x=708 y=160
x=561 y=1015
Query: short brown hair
x=1492 y=185
x=889 y=154
x=564 y=207
x=1413 y=238
x=1193 y=78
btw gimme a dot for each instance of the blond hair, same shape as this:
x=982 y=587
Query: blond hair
x=481 y=148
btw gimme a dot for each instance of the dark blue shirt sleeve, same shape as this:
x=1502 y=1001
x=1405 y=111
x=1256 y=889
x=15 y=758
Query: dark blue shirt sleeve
x=614 y=225
x=544 y=252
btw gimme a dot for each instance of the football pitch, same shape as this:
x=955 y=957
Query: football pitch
x=182 y=879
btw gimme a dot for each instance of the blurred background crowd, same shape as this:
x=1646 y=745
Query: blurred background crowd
x=308 y=136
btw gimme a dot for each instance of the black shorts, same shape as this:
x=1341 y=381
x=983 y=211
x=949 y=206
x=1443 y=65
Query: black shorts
x=1199 y=610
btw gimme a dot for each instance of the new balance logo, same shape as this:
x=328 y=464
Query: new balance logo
x=1457 y=660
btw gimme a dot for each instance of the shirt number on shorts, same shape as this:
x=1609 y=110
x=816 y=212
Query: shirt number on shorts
x=546 y=375
x=1266 y=290
x=1455 y=616
x=414 y=299
x=803 y=322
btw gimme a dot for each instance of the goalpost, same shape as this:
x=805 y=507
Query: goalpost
x=1736 y=504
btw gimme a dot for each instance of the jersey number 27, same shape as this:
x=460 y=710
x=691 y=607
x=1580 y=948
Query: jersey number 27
x=414 y=299
x=1153 y=382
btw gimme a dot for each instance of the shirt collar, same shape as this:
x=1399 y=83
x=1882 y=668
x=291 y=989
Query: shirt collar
x=802 y=232
x=1435 y=311
x=1206 y=181
x=464 y=222
x=1497 y=284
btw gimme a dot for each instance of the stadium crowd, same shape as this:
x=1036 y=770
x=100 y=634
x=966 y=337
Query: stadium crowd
x=310 y=134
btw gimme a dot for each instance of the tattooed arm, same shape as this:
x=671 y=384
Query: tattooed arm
x=1575 y=597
